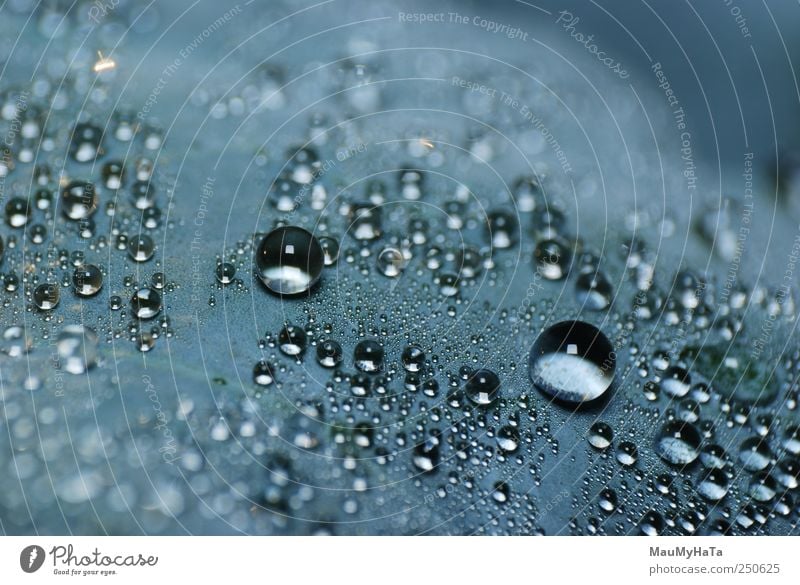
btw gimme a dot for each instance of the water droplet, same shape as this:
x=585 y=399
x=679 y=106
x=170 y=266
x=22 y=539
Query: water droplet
x=18 y=212
x=600 y=435
x=292 y=340
x=143 y=195
x=426 y=454
x=263 y=373
x=289 y=260
x=593 y=291
x=77 y=349
x=391 y=262
x=46 y=296
x=754 y=454
x=503 y=229
x=678 y=443
x=552 y=259
x=329 y=353
x=572 y=361
x=651 y=524
x=508 y=439
x=413 y=358
x=368 y=356
x=141 y=248
x=79 y=200
x=330 y=250
x=86 y=144
x=225 y=272
x=87 y=280
x=627 y=453
x=676 y=382
x=365 y=222
x=146 y=303
x=713 y=485
x=144 y=341
x=482 y=387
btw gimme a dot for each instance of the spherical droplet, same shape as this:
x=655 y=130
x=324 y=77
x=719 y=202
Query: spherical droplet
x=87 y=280
x=46 y=296
x=391 y=262
x=141 y=248
x=482 y=387
x=676 y=382
x=678 y=443
x=600 y=435
x=593 y=291
x=329 y=353
x=508 y=439
x=146 y=303
x=573 y=361
x=368 y=356
x=289 y=260
x=330 y=250
x=79 y=200
x=225 y=272
x=18 y=212
x=552 y=259
x=292 y=340
x=263 y=373
x=413 y=357
x=713 y=485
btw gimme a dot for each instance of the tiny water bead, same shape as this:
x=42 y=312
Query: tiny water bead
x=141 y=248
x=46 y=296
x=482 y=387
x=225 y=272
x=552 y=259
x=79 y=200
x=329 y=353
x=87 y=280
x=368 y=356
x=146 y=303
x=600 y=435
x=678 y=443
x=572 y=361
x=77 y=349
x=292 y=340
x=289 y=260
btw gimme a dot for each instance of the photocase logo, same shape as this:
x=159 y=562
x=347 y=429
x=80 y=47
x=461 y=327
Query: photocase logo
x=31 y=558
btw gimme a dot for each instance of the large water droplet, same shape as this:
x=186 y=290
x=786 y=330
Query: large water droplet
x=573 y=361
x=46 y=296
x=368 y=356
x=87 y=280
x=146 y=303
x=289 y=260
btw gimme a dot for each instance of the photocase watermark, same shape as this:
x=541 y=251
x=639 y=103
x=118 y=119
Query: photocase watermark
x=524 y=111
x=168 y=448
x=101 y=8
x=456 y=18
x=568 y=22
